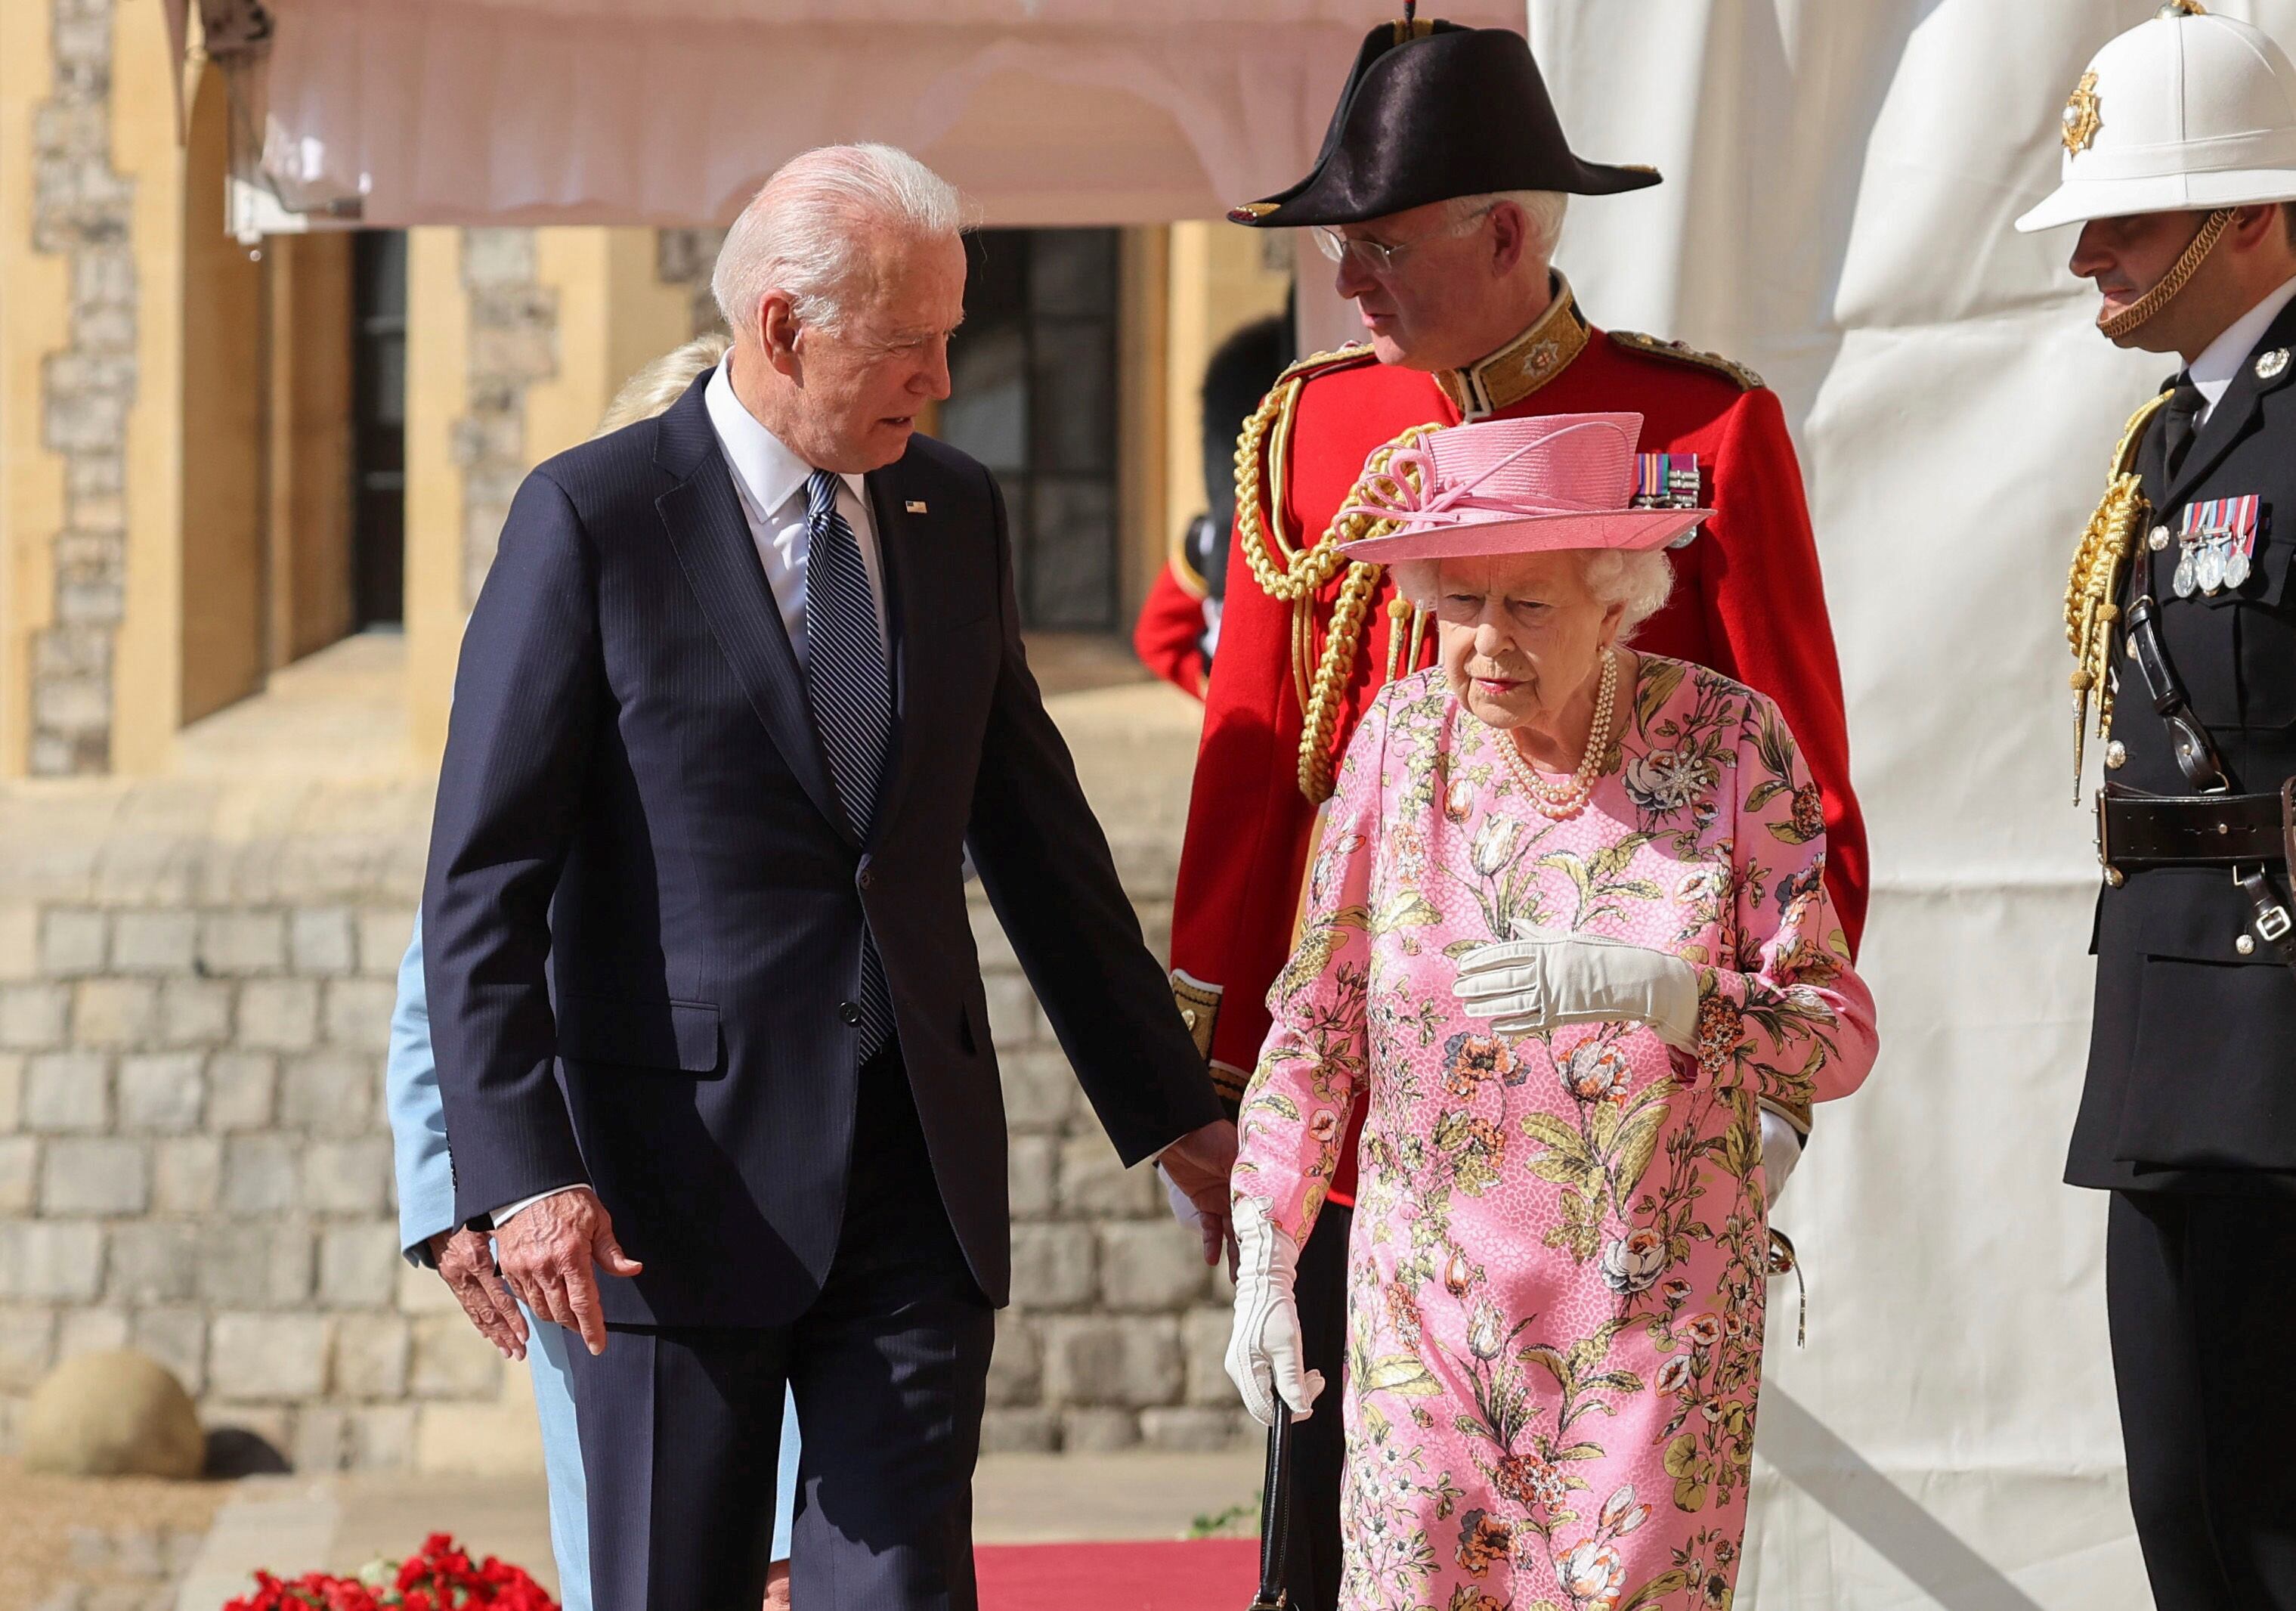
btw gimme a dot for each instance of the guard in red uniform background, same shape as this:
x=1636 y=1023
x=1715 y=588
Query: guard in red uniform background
x=1438 y=192
x=1179 y=625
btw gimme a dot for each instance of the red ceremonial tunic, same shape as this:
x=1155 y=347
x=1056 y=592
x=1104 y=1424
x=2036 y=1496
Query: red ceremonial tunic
x=1749 y=602
x=1168 y=636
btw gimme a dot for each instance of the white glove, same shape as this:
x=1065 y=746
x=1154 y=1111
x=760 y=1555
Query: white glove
x=1266 y=1346
x=1781 y=1151
x=1543 y=978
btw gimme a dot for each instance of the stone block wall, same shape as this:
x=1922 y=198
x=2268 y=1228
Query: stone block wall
x=195 y=988
x=83 y=211
x=1117 y=1327
x=195 y=1162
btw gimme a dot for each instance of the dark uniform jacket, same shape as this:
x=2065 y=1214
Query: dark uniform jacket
x=2192 y=1067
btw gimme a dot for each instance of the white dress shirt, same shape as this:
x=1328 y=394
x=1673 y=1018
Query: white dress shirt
x=770 y=482
x=2219 y=363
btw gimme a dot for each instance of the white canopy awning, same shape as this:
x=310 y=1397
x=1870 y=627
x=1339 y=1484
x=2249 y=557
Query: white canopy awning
x=671 y=112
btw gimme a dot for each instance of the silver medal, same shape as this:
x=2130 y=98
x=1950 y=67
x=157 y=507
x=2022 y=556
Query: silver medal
x=2183 y=581
x=2235 y=569
x=2211 y=564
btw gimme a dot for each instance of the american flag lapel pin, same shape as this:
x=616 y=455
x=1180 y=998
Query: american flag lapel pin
x=916 y=506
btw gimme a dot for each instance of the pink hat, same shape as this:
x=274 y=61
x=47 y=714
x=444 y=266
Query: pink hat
x=1519 y=486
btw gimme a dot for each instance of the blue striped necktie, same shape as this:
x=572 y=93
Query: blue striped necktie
x=852 y=699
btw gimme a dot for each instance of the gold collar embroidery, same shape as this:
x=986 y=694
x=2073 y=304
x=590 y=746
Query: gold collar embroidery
x=1523 y=365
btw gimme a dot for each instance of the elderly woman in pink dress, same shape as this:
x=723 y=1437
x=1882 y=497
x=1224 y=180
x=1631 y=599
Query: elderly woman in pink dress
x=1567 y=927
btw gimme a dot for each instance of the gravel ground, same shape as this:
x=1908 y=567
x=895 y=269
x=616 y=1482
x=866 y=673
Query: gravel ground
x=44 y=1515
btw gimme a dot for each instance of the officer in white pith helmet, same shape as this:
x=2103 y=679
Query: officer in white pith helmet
x=2179 y=164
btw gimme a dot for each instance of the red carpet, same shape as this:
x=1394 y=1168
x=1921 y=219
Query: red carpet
x=1195 y=1575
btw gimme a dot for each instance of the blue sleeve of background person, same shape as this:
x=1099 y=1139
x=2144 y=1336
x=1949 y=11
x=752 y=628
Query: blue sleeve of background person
x=418 y=1119
x=562 y=1461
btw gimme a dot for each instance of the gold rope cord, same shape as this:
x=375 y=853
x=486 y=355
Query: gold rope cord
x=1297 y=576
x=2092 y=588
x=2137 y=313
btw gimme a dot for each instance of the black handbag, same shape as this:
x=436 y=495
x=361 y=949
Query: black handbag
x=1275 y=1512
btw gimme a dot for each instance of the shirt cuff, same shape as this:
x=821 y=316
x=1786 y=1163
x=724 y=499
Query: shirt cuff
x=503 y=1216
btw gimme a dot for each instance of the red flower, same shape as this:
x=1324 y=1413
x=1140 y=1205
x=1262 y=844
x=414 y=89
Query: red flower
x=438 y=1577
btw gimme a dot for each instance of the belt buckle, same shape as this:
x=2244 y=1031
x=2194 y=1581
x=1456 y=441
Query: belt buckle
x=2112 y=875
x=2273 y=924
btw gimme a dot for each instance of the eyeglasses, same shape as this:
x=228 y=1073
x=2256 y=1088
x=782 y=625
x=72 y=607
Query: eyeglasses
x=1378 y=256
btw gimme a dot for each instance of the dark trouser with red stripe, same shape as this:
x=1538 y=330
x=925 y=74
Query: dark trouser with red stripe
x=1311 y=1576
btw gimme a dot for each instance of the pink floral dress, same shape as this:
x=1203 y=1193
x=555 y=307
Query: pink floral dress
x=1556 y=1277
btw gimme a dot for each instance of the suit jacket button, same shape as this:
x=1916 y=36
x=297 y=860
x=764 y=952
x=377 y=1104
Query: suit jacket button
x=848 y=1011
x=867 y=878
x=2244 y=946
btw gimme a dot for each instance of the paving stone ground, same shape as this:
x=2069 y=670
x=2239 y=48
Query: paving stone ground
x=342 y=1523
x=124 y=1536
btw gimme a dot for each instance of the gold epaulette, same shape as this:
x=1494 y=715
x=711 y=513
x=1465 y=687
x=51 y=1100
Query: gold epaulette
x=1681 y=353
x=1315 y=363
x=2093 y=588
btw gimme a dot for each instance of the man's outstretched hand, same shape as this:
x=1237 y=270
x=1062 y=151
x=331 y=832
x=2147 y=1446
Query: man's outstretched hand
x=547 y=1248
x=467 y=1263
x=1198 y=1165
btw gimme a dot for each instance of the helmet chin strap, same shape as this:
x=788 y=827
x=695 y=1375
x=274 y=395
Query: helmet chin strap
x=2144 y=309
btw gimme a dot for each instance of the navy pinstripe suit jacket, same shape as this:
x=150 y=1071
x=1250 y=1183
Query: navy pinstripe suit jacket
x=644 y=908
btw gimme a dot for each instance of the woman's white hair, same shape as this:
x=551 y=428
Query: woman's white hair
x=807 y=232
x=662 y=381
x=1542 y=209
x=1640 y=580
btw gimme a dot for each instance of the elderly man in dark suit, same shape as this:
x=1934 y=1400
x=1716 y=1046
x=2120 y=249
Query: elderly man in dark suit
x=745 y=682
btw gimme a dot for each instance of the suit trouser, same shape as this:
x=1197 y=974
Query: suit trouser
x=2202 y=1306
x=1311 y=1566
x=561 y=1465
x=889 y=1368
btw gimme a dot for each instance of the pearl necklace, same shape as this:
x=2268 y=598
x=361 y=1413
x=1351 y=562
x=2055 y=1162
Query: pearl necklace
x=1560 y=802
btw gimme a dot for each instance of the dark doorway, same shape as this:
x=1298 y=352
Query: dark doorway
x=379 y=429
x=1033 y=396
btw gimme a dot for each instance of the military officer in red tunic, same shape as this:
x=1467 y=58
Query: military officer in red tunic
x=1438 y=192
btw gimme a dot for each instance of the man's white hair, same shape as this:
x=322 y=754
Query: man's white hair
x=1640 y=579
x=806 y=233
x=1542 y=209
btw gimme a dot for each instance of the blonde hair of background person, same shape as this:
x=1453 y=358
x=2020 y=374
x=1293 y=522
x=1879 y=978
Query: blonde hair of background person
x=662 y=382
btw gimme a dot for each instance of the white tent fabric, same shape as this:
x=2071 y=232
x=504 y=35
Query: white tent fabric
x=670 y=111
x=1840 y=180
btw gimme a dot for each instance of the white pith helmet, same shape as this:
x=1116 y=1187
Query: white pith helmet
x=2186 y=113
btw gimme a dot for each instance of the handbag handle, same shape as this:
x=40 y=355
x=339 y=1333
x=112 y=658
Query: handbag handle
x=1276 y=1510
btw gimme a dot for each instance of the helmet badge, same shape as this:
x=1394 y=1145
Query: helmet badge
x=2083 y=116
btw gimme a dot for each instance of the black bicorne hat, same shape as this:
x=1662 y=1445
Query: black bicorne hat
x=1434 y=110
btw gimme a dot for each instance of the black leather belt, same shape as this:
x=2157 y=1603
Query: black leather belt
x=2253 y=834
x=2136 y=831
